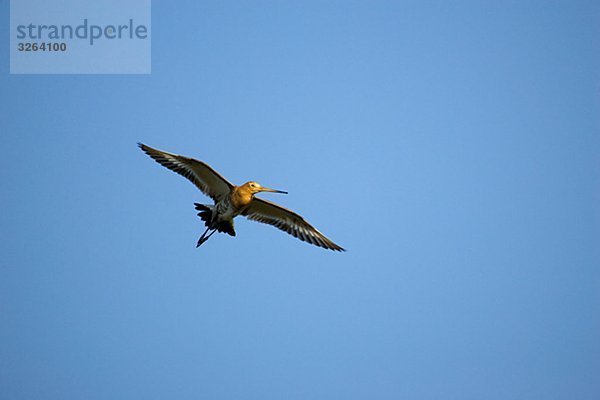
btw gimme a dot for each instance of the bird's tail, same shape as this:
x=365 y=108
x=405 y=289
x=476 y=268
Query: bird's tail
x=205 y=215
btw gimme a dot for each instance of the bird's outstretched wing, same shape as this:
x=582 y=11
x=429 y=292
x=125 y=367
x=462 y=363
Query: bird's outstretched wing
x=202 y=175
x=288 y=221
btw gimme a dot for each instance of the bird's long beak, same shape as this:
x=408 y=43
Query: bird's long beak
x=264 y=189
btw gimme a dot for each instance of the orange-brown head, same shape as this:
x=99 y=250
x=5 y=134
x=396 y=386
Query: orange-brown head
x=243 y=195
x=255 y=187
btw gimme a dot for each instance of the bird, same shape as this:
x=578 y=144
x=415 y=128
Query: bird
x=231 y=201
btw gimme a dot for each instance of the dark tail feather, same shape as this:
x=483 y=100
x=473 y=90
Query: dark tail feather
x=201 y=207
x=227 y=227
x=205 y=215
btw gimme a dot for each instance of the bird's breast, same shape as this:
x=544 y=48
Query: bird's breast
x=240 y=199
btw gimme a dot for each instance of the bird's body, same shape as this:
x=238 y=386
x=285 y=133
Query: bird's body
x=220 y=215
x=231 y=201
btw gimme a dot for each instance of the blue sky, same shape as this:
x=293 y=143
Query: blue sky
x=452 y=148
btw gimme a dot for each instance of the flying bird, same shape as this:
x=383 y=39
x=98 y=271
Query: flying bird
x=231 y=201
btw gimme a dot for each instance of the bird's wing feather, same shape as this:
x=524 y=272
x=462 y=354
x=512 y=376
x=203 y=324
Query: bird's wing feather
x=288 y=221
x=200 y=174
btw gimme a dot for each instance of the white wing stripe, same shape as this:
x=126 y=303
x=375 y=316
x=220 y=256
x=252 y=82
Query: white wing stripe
x=272 y=214
x=200 y=174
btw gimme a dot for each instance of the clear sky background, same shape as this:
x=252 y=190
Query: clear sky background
x=452 y=147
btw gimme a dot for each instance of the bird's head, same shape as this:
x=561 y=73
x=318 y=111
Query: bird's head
x=255 y=187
